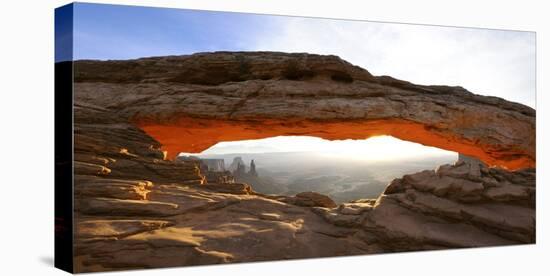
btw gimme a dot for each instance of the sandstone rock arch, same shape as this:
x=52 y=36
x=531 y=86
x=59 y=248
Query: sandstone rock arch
x=125 y=112
x=189 y=103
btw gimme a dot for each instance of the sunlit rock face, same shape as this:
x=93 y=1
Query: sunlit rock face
x=229 y=96
x=134 y=208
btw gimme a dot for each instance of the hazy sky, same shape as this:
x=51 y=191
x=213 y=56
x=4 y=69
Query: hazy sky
x=487 y=62
x=376 y=148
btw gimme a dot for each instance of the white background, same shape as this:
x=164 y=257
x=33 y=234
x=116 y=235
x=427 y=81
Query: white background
x=27 y=123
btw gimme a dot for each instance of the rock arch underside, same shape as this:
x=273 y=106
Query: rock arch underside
x=138 y=207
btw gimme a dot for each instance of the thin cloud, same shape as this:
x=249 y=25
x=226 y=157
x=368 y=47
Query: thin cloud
x=487 y=62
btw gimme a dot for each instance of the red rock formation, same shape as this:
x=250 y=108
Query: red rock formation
x=135 y=209
x=235 y=96
x=181 y=136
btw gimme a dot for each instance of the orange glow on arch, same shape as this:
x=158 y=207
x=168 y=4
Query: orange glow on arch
x=195 y=135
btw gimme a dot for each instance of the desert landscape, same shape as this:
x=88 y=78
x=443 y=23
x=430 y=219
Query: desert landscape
x=139 y=204
x=338 y=176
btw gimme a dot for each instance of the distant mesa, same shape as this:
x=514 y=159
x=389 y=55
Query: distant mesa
x=237 y=161
x=214 y=171
x=253 y=171
x=216 y=165
x=241 y=170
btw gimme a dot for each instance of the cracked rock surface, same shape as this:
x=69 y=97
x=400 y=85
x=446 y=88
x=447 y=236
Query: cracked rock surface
x=135 y=208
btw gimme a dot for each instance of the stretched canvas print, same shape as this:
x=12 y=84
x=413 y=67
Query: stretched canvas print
x=188 y=137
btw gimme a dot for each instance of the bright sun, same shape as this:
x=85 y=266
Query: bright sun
x=375 y=148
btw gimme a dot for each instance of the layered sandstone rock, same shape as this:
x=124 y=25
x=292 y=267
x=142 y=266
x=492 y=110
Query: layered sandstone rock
x=229 y=96
x=135 y=208
x=460 y=205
